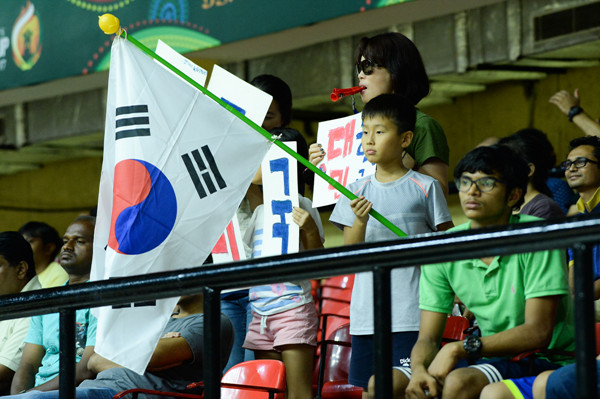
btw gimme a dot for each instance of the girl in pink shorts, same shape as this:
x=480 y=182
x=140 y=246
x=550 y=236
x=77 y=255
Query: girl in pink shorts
x=284 y=324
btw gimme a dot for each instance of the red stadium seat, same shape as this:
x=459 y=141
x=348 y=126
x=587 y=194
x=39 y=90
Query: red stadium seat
x=254 y=379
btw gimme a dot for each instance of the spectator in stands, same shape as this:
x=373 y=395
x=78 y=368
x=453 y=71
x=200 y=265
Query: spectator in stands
x=284 y=323
x=568 y=104
x=279 y=116
x=177 y=358
x=38 y=369
x=17 y=274
x=582 y=170
x=521 y=301
x=235 y=303
x=410 y=200
x=534 y=146
x=561 y=193
x=551 y=384
x=280 y=110
x=46 y=244
x=175 y=363
x=391 y=63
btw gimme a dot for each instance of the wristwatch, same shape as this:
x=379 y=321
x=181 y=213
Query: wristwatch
x=574 y=111
x=472 y=345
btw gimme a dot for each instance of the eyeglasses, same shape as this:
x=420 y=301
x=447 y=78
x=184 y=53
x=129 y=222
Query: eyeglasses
x=579 y=163
x=366 y=66
x=484 y=184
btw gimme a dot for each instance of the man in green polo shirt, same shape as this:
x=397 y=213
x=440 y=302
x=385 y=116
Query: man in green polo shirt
x=521 y=301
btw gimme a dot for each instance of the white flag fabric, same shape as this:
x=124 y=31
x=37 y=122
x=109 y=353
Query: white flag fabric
x=176 y=166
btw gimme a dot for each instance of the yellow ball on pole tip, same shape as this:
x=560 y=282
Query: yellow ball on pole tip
x=109 y=23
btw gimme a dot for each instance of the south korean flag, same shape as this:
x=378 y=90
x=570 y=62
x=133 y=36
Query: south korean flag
x=176 y=166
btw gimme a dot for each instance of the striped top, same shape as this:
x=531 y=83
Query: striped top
x=280 y=297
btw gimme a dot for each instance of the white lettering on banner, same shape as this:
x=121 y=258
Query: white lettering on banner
x=4 y=46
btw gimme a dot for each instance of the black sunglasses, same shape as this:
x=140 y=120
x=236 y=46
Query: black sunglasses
x=366 y=66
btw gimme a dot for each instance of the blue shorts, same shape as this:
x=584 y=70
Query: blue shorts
x=497 y=369
x=563 y=382
x=361 y=361
x=521 y=388
x=80 y=393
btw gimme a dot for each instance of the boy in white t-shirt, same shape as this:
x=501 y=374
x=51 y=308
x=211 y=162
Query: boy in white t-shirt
x=412 y=201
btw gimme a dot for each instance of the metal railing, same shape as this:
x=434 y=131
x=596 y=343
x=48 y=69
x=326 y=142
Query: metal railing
x=380 y=257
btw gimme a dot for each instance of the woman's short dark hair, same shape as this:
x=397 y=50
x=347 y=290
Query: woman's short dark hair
x=14 y=248
x=511 y=167
x=535 y=147
x=399 y=55
x=280 y=91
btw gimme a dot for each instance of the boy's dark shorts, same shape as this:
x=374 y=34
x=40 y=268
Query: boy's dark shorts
x=361 y=361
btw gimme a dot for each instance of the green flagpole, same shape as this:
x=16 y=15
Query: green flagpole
x=110 y=25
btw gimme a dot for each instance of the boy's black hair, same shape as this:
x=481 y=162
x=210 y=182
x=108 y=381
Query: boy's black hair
x=510 y=166
x=587 y=140
x=396 y=53
x=14 y=248
x=534 y=146
x=394 y=107
x=280 y=91
x=45 y=232
x=288 y=134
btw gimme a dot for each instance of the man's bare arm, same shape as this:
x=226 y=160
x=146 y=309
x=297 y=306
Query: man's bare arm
x=564 y=101
x=170 y=352
x=6 y=377
x=98 y=363
x=31 y=360
x=535 y=333
x=81 y=372
x=424 y=352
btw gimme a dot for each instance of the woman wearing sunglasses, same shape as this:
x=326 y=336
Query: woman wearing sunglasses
x=390 y=63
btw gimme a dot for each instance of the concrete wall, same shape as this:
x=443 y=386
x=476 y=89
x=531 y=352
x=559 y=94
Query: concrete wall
x=507 y=107
x=55 y=194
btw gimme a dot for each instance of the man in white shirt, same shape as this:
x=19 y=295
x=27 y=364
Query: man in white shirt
x=17 y=274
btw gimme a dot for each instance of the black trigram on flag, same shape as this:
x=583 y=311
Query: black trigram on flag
x=135 y=305
x=132 y=121
x=208 y=171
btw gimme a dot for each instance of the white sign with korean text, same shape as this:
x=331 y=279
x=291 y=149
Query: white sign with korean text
x=280 y=195
x=344 y=161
